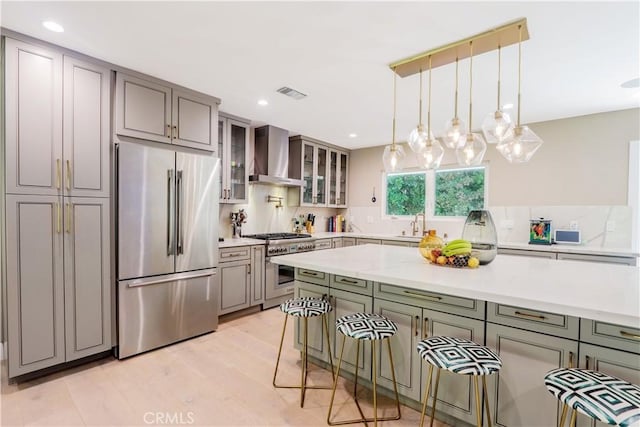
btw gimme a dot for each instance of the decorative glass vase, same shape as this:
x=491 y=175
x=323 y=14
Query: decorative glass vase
x=429 y=241
x=480 y=230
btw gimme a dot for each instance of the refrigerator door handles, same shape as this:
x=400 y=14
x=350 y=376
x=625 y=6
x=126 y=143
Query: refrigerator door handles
x=145 y=281
x=175 y=238
x=179 y=209
x=170 y=203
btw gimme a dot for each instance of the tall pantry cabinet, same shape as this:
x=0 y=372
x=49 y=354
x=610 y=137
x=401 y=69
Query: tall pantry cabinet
x=57 y=207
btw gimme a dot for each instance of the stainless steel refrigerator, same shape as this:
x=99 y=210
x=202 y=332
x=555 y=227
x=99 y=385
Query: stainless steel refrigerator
x=167 y=246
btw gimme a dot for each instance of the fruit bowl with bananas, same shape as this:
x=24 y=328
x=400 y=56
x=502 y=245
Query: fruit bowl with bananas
x=456 y=253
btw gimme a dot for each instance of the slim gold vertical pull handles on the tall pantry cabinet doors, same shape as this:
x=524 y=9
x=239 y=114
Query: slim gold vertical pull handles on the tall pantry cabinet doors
x=68 y=175
x=68 y=227
x=59 y=218
x=58 y=173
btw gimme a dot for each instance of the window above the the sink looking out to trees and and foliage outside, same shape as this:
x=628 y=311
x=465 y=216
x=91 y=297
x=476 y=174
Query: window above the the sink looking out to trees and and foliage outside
x=445 y=192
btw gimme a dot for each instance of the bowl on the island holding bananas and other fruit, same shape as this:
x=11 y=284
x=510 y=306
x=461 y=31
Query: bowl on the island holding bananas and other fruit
x=457 y=253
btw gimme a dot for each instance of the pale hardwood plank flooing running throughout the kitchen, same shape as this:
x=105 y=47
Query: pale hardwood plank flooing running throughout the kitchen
x=219 y=379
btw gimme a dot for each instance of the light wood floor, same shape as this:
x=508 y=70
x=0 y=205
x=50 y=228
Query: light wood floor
x=219 y=379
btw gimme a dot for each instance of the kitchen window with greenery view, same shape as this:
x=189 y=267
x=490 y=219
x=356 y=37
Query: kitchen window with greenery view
x=405 y=193
x=459 y=191
x=452 y=192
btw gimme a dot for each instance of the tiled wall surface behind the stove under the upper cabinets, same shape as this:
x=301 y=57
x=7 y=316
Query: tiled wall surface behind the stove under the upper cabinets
x=264 y=217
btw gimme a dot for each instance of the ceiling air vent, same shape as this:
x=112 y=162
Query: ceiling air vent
x=291 y=93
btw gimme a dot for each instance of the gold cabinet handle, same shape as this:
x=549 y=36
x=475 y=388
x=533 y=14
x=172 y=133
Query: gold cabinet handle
x=59 y=218
x=58 y=174
x=630 y=335
x=68 y=228
x=68 y=175
x=533 y=316
x=425 y=333
x=309 y=273
x=417 y=323
x=571 y=359
x=234 y=254
x=168 y=132
x=586 y=362
x=352 y=282
x=175 y=132
x=423 y=296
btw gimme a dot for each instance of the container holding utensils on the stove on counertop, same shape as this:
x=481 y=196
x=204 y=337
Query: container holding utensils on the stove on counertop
x=237 y=219
x=309 y=223
x=304 y=223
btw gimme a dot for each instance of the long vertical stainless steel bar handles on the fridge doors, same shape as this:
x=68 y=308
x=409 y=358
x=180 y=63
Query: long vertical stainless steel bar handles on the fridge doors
x=179 y=204
x=170 y=205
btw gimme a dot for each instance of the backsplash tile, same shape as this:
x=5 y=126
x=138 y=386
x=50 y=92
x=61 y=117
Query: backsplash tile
x=592 y=223
x=368 y=219
x=512 y=223
x=263 y=217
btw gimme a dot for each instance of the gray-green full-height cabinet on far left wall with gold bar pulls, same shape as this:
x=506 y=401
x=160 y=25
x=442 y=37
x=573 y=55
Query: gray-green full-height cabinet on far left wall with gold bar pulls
x=57 y=177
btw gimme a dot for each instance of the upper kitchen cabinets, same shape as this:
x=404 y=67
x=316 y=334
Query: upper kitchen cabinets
x=151 y=110
x=86 y=128
x=337 y=182
x=57 y=123
x=233 y=150
x=314 y=174
x=323 y=170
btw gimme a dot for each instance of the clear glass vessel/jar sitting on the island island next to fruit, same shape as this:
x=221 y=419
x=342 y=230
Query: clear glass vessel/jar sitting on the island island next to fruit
x=480 y=230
